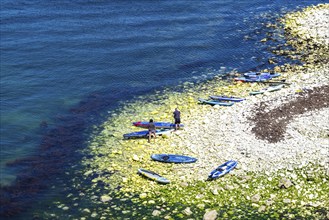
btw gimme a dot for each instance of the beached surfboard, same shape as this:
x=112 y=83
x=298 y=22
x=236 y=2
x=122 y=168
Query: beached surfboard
x=253 y=79
x=153 y=176
x=144 y=133
x=213 y=102
x=173 y=158
x=268 y=89
x=163 y=125
x=255 y=74
x=222 y=169
x=226 y=98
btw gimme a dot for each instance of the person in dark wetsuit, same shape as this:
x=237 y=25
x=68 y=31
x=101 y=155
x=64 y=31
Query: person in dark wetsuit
x=177 y=118
x=151 y=128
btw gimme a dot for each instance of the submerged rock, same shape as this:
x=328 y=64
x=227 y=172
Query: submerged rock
x=105 y=198
x=156 y=213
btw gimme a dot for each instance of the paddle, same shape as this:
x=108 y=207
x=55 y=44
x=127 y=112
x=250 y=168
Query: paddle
x=188 y=167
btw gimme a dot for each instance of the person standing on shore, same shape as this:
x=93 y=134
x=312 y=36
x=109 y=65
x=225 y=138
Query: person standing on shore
x=177 y=118
x=151 y=128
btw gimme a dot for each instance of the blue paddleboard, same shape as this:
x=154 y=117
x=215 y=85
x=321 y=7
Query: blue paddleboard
x=144 y=133
x=163 y=125
x=265 y=74
x=173 y=158
x=252 y=79
x=213 y=102
x=226 y=98
x=222 y=169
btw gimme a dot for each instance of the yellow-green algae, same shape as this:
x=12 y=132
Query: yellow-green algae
x=112 y=153
x=234 y=195
x=125 y=195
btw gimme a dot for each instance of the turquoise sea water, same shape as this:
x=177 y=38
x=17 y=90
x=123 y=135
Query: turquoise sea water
x=65 y=64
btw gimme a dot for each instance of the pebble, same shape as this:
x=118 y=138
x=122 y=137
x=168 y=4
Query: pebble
x=228 y=138
x=211 y=215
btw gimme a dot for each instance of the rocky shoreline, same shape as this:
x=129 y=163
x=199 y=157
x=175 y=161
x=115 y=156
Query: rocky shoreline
x=262 y=133
x=280 y=140
x=272 y=131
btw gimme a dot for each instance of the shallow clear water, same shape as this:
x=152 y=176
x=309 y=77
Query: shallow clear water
x=56 y=55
